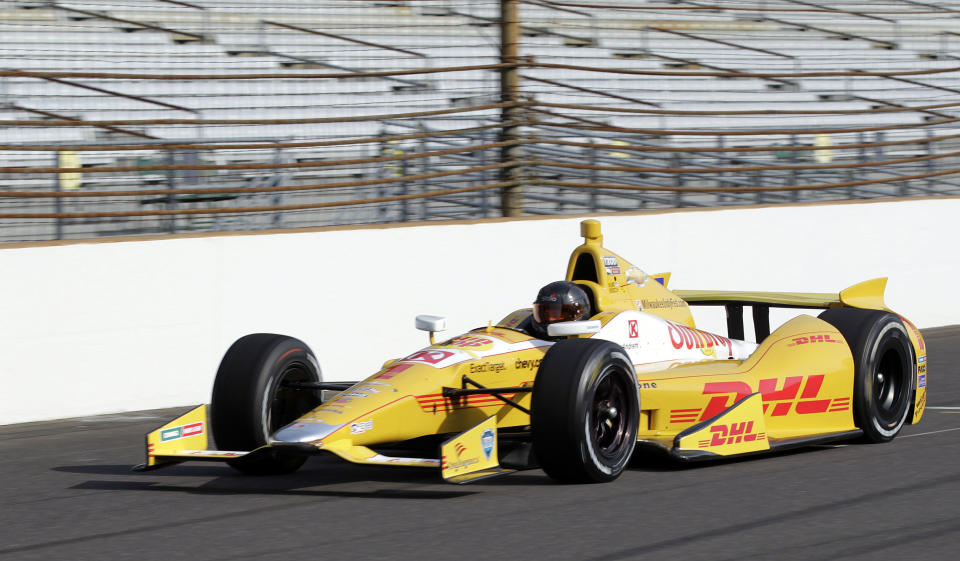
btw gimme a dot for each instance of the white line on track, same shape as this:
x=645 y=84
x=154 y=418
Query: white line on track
x=947 y=408
x=931 y=432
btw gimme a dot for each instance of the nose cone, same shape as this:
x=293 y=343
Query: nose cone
x=301 y=432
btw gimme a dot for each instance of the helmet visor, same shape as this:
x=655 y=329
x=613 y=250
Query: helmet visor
x=551 y=312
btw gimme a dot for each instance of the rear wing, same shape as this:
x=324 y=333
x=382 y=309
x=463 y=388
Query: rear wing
x=868 y=294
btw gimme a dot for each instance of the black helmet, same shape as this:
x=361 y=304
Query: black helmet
x=559 y=301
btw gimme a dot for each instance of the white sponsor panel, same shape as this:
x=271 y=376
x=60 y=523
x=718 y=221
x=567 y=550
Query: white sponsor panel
x=651 y=339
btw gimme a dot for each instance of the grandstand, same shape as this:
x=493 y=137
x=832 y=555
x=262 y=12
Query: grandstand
x=160 y=116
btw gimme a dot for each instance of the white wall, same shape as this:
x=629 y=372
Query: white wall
x=109 y=327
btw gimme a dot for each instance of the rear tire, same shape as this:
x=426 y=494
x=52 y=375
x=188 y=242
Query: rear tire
x=249 y=403
x=585 y=411
x=883 y=369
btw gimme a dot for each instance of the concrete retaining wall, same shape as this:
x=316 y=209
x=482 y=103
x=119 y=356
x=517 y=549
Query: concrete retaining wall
x=110 y=327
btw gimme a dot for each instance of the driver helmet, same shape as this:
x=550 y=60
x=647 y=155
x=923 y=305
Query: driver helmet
x=559 y=301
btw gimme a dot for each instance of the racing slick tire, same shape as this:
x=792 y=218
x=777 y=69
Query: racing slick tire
x=249 y=401
x=883 y=369
x=585 y=411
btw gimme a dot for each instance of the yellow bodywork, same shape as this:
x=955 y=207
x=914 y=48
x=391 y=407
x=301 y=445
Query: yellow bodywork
x=802 y=374
x=796 y=386
x=472 y=454
x=739 y=430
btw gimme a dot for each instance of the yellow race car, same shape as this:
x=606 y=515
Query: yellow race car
x=606 y=359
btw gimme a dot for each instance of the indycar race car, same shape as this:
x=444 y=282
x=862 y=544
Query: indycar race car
x=574 y=398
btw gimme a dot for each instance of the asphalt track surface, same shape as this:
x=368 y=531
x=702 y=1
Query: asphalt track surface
x=67 y=492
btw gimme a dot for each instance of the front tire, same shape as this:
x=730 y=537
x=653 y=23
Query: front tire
x=249 y=402
x=585 y=411
x=883 y=369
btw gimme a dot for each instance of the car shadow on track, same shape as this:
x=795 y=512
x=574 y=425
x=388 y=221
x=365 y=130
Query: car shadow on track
x=316 y=478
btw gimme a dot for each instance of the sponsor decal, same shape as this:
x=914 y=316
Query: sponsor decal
x=684 y=415
x=798 y=394
x=436 y=403
x=429 y=356
x=922 y=359
x=356 y=394
x=515 y=319
x=921 y=369
x=367 y=389
x=647 y=385
x=734 y=433
x=183 y=431
x=661 y=303
x=393 y=371
x=531 y=364
x=487 y=440
x=467 y=343
x=633 y=329
x=361 y=427
x=213 y=453
x=612 y=265
x=682 y=336
x=813 y=339
x=922 y=382
x=378 y=383
x=487 y=367
x=342 y=400
x=460 y=463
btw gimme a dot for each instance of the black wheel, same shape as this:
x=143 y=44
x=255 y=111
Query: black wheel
x=884 y=369
x=249 y=401
x=585 y=411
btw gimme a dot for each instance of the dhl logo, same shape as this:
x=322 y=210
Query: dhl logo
x=734 y=433
x=813 y=339
x=799 y=394
x=780 y=399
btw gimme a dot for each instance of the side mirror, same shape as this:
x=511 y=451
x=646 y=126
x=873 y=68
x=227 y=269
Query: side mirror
x=432 y=324
x=566 y=328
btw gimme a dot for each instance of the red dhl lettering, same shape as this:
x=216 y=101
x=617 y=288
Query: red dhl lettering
x=812 y=339
x=734 y=433
x=683 y=336
x=783 y=397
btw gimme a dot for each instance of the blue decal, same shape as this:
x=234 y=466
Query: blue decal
x=660 y=280
x=487 y=440
x=923 y=381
